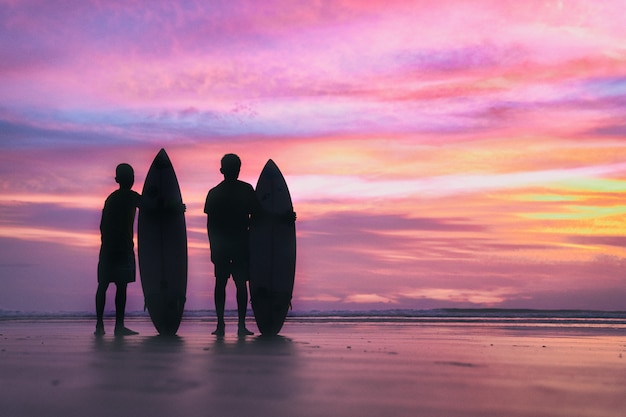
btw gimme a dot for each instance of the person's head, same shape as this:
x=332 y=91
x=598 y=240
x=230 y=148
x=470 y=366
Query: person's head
x=231 y=165
x=124 y=175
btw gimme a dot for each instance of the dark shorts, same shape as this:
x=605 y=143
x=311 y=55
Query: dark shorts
x=118 y=267
x=233 y=262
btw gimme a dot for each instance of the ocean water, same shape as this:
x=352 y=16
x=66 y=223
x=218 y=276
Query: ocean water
x=573 y=318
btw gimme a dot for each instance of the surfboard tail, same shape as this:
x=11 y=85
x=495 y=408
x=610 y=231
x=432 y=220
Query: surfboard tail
x=270 y=309
x=166 y=311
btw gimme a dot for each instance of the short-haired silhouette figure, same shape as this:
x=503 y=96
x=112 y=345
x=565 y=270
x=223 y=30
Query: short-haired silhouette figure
x=229 y=207
x=117 y=256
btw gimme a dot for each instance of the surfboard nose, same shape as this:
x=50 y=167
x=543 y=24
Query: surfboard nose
x=162 y=160
x=271 y=169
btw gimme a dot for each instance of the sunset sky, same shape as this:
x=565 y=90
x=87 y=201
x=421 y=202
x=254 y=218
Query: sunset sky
x=439 y=154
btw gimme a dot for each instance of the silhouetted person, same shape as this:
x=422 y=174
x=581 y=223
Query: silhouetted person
x=229 y=207
x=117 y=255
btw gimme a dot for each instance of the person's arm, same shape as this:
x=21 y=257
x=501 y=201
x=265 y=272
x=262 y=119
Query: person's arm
x=161 y=206
x=257 y=212
x=174 y=206
x=288 y=217
x=206 y=211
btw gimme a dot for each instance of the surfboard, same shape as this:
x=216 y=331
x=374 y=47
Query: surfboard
x=272 y=253
x=162 y=246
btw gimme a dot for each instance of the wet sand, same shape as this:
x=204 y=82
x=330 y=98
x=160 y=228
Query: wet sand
x=351 y=368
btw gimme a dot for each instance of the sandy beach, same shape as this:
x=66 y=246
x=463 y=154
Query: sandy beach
x=317 y=368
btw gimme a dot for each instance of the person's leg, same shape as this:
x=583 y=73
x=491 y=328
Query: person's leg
x=101 y=294
x=120 y=303
x=242 y=307
x=240 y=276
x=120 y=307
x=219 y=296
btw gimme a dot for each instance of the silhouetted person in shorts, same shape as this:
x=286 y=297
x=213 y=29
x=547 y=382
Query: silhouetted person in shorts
x=229 y=207
x=117 y=256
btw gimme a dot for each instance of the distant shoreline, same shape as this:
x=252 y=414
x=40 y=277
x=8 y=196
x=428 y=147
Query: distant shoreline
x=454 y=314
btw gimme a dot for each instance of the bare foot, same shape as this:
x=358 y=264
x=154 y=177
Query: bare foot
x=244 y=332
x=99 y=329
x=124 y=331
x=219 y=331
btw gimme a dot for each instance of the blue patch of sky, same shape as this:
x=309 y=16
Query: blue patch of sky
x=608 y=87
x=460 y=59
x=38 y=128
x=23 y=135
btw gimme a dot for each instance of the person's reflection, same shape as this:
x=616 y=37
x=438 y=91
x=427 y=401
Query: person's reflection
x=148 y=364
x=261 y=369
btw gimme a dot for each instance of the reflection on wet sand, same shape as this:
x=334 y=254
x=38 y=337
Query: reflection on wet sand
x=346 y=369
x=230 y=374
